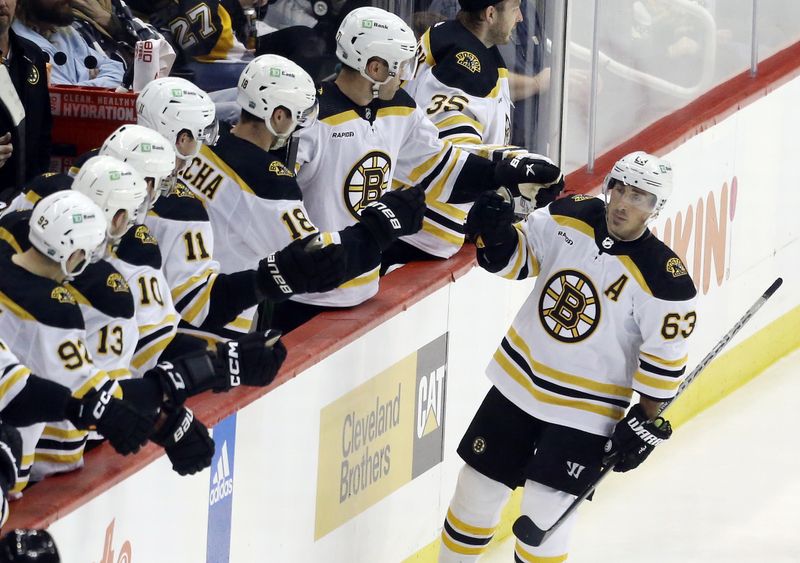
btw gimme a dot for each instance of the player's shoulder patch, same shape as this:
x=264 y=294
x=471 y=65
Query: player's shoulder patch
x=140 y=248
x=463 y=62
x=103 y=288
x=33 y=297
x=252 y=165
x=180 y=204
x=585 y=208
x=278 y=168
x=663 y=271
x=14 y=231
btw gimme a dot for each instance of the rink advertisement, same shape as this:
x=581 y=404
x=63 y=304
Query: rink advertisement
x=220 y=495
x=381 y=435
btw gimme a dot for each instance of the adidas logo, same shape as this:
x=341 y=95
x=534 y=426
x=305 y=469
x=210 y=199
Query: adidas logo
x=222 y=482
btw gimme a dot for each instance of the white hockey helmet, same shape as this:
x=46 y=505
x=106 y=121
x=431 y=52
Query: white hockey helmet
x=114 y=186
x=65 y=222
x=646 y=172
x=170 y=105
x=371 y=32
x=148 y=152
x=271 y=81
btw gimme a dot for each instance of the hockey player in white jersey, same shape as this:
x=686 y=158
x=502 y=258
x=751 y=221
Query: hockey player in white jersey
x=609 y=315
x=371 y=137
x=253 y=200
x=42 y=323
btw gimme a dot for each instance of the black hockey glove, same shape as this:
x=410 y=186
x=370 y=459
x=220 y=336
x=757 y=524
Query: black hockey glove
x=10 y=456
x=304 y=266
x=125 y=428
x=397 y=213
x=185 y=440
x=526 y=174
x=26 y=546
x=253 y=360
x=490 y=218
x=634 y=438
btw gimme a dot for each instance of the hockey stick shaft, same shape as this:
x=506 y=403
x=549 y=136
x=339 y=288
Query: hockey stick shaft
x=529 y=533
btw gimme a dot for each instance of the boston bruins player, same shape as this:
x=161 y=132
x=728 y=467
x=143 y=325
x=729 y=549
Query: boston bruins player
x=610 y=314
x=371 y=137
x=253 y=200
x=41 y=321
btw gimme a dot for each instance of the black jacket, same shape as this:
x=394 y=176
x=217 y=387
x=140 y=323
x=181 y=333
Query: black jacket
x=29 y=75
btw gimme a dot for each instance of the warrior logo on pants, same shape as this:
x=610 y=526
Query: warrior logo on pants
x=569 y=308
x=367 y=181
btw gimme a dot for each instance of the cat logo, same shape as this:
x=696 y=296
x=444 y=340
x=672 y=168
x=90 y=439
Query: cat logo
x=430 y=401
x=676 y=267
x=117 y=283
x=62 y=295
x=143 y=234
x=279 y=169
x=581 y=197
x=367 y=181
x=468 y=61
x=34 y=76
x=569 y=308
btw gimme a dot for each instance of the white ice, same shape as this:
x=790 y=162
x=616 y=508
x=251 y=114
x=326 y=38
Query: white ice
x=724 y=489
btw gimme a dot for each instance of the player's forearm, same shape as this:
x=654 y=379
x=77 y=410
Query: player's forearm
x=476 y=176
x=650 y=406
x=230 y=295
x=40 y=400
x=363 y=252
x=523 y=86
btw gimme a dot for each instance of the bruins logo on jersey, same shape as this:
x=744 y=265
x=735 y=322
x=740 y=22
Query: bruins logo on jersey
x=367 y=181
x=279 y=169
x=469 y=61
x=143 y=234
x=180 y=190
x=117 y=283
x=676 y=267
x=569 y=308
x=581 y=197
x=34 y=76
x=62 y=295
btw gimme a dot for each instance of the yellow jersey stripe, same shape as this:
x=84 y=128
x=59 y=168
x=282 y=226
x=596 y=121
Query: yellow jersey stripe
x=34 y=198
x=200 y=301
x=465 y=528
x=397 y=110
x=241 y=323
x=564 y=377
x=438 y=188
x=227 y=170
x=18 y=374
x=14 y=308
x=144 y=329
x=225 y=41
x=91 y=383
x=189 y=284
x=9 y=238
x=363 y=279
x=502 y=73
x=635 y=272
x=665 y=384
x=145 y=354
x=63 y=433
x=431 y=228
x=528 y=557
x=459 y=119
x=614 y=413
x=340 y=118
x=679 y=363
x=450 y=211
x=426 y=48
x=429 y=164
x=59 y=458
x=574 y=223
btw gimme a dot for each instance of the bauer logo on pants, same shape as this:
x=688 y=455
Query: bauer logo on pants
x=381 y=435
x=220 y=494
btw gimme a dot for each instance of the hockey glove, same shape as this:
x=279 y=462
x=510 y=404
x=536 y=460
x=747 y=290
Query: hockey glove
x=490 y=218
x=304 y=266
x=634 y=438
x=526 y=174
x=397 y=213
x=185 y=440
x=253 y=360
x=25 y=546
x=125 y=428
x=10 y=456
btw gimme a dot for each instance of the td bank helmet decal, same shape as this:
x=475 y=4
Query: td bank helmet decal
x=569 y=308
x=367 y=181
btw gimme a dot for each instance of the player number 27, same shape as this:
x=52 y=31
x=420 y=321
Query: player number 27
x=675 y=324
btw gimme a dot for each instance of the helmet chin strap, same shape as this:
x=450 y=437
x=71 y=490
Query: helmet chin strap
x=278 y=139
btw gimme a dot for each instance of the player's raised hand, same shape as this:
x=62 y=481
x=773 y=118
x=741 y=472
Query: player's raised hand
x=304 y=266
x=397 y=213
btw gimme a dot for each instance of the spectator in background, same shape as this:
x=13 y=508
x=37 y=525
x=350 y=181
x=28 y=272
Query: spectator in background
x=26 y=66
x=74 y=62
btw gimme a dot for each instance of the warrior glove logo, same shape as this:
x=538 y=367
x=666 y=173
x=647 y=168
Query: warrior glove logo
x=569 y=308
x=367 y=181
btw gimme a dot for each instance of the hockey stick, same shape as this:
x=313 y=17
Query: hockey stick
x=531 y=534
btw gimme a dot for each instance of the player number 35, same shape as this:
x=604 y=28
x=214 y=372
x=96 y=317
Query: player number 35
x=674 y=324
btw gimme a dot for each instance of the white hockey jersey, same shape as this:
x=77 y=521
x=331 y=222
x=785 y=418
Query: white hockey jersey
x=13 y=376
x=605 y=318
x=463 y=86
x=352 y=154
x=41 y=321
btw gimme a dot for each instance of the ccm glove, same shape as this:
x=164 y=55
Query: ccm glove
x=117 y=420
x=304 y=266
x=397 y=213
x=634 y=438
x=185 y=440
x=526 y=174
x=253 y=360
x=10 y=456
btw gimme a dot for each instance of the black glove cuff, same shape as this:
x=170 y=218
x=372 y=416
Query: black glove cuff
x=271 y=282
x=375 y=218
x=174 y=426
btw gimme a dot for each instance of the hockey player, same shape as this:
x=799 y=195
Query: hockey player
x=371 y=137
x=610 y=314
x=253 y=200
x=42 y=323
